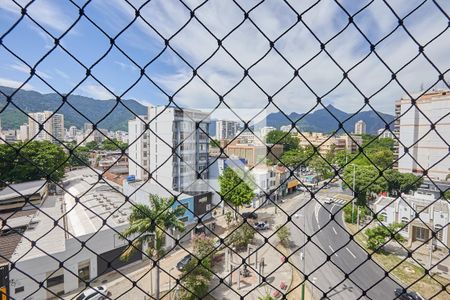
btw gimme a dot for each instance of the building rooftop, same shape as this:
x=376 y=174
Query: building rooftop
x=61 y=217
x=156 y=189
x=22 y=189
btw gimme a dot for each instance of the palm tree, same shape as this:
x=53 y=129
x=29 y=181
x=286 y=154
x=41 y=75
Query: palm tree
x=148 y=225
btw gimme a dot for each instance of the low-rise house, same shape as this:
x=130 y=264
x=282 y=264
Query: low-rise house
x=420 y=215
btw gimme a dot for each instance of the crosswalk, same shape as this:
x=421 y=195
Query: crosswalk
x=333 y=200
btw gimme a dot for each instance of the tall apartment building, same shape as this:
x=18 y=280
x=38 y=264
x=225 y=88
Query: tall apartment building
x=173 y=149
x=138 y=151
x=53 y=126
x=427 y=149
x=360 y=127
x=383 y=133
x=226 y=129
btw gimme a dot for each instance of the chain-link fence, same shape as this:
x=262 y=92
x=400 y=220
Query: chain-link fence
x=242 y=179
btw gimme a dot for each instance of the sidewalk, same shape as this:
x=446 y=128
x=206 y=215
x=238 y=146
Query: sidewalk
x=278 y=278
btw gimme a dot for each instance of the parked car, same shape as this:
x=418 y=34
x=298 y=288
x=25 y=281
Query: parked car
x=249 y=215
x=95 y=293
x=183 y=262
x=261 y=226
x=405 y=295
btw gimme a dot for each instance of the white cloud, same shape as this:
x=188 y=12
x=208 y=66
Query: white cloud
x=45 y=12
x=271 y=72
x=26 y=70
x=95 y=91
x=61 y=74
x=14 y=84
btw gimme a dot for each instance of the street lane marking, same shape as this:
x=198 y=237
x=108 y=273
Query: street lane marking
x=333 y=251
x=334 y=230
x=350 y=252
x=316 y=213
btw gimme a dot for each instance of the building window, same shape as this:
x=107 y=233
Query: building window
x=83 y=272
x=55 y=280
x=383 y=216
x=439 y=232
x=19 y=289
x=405 y=222
x=421 y=233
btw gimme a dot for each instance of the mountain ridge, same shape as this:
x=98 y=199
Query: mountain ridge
x=32 y=101
x=95 y=110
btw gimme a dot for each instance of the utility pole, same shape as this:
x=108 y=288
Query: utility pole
x=353 y=200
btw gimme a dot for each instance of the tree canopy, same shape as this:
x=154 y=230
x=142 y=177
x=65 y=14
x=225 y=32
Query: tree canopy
x=35 y=160
x=286 y=139
x=235 y=189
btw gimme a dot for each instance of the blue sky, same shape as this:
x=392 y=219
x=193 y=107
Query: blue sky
x=247 y=45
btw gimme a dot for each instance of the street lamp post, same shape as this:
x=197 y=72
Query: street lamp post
x=152 y=234
x=312 y=288
x=302 y=254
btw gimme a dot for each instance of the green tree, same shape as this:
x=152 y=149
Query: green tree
x=367 y=178
x=379 y=235
x=321 y=166
x=35 y=160
x=286 y=139
x=398 y=183
x=79 y=157
x=112 y=145
x=148 y=225
x=242 y=236
x=214 y=143
x=284 y=234
x=197 y=275
x=92 y=145
x=236 y=189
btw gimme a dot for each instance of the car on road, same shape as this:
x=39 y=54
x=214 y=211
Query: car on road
x=405 y=295
x=261 y=226
x=328 y=201
x=183 y=262
x=95 y=293
x=249 y=215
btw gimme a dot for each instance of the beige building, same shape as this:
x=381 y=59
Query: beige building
x=424 y=129
x=254 y=153
x=328 y=143
x=53 y=126
x=360 y=127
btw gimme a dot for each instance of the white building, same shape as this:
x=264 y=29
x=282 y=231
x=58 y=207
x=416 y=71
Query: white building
x=177 y=147
x=360 y=127
x=24 y=134
x=287 y=128
x=226 y=129
x=138 y=149
x=52 y=126
x=433 y=214
x=383 y=133
x=426 y=143
x=76 y=223
x=265 y=131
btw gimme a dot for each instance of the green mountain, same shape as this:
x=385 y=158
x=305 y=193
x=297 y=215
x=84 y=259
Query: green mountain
x=77 y=110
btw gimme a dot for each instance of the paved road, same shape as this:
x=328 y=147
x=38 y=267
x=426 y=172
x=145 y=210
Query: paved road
x=347 y=257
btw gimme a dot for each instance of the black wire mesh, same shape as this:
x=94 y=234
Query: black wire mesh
x=51 y=252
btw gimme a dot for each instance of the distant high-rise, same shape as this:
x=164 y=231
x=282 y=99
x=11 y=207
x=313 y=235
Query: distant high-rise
x=265 y=131
x=24 y=134
x=226 y=129
x=360 y=127
x=88 y=127
x=52 y=126
x=424 y=129
x=174 y=148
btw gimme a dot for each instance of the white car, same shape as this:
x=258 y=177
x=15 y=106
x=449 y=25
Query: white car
x=328 y=201
x=95 y=293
